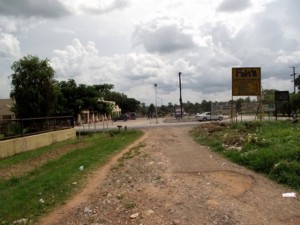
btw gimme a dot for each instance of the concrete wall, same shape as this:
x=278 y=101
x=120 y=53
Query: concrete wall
x=23 y=144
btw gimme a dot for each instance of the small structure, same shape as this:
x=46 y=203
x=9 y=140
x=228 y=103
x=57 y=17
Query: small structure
x=87 y=116
x=5 y=109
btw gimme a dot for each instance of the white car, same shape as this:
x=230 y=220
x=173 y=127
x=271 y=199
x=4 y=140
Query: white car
x=207 y=116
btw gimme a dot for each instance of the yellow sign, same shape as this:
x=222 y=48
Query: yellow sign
x=246 y=81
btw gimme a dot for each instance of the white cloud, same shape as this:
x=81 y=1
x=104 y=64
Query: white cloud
x=8 y=25
x=9 y=52
x=9 y=46
x=75 y=60
x=276 y=83
x=133 y=44
x=288 y=58
x=64 y=31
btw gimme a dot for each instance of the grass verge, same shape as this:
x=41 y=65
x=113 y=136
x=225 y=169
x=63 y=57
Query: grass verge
x=32 y=195
x=271 y=148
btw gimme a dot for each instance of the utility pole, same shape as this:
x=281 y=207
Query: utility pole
x=155 y=86
x=180 y=98
x=294 y=75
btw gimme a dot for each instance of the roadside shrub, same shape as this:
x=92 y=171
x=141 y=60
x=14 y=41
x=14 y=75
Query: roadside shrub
x=287 y=173
x=259 y=161
x=270 y=147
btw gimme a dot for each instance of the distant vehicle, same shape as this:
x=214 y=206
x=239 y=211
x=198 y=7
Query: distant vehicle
x=207 y=116
x=123 y=117
x=131 y=115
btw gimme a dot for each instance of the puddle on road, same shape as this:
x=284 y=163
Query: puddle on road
x=227 y=183
x=234 y=183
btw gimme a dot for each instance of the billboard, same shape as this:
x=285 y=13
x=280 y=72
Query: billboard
x=246 y=81
x=282 y=96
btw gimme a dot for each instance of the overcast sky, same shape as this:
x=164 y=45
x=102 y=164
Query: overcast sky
x=134 y=44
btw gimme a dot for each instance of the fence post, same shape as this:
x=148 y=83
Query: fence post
x=21 y=127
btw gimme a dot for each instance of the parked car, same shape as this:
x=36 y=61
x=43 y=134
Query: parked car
x=123 y=117
x=132 y=115
x=208 y=116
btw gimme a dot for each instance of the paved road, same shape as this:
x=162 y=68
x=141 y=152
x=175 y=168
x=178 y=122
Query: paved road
x=139 y=123
x=142 y=123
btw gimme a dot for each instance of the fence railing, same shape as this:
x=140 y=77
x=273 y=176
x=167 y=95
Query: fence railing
x=14 y=128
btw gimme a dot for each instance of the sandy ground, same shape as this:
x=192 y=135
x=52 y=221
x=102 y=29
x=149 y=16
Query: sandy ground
x=166 y=178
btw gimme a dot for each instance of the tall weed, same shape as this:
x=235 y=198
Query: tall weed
x=270 y=147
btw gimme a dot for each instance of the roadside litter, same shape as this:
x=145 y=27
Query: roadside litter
x=289 y=195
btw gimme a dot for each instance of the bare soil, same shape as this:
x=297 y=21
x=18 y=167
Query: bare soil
x=166 y=178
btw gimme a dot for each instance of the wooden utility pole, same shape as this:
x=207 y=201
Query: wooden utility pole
x=294 y=76
x=180 y=97
x=294 y=80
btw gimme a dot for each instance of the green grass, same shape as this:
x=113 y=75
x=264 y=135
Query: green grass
x=31 y=154
x=271 y=148
x=55 y=181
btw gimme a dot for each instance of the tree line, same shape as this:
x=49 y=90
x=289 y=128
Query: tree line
x=38 y=94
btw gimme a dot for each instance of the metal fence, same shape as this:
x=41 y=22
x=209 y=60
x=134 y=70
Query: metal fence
x=14 y=128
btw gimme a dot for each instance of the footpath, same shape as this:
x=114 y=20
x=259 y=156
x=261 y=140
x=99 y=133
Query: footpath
x=166 y=178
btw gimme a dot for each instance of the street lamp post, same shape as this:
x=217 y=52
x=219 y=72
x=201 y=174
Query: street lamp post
x=155 y=86
x=180 y=97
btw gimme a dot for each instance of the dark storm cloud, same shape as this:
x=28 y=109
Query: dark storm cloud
x=33 y=8
x=234 y=5
x=165 y=39
x=114 y=5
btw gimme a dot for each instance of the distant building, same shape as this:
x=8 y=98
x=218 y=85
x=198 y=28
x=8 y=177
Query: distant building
x=5 y=109
x=223 y=108
x=86 y=116
x=178 y=113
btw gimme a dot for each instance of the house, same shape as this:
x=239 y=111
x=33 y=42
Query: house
x=5 y=109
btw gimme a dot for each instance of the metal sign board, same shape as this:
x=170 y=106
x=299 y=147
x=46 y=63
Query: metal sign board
x=282 y=96
x=246 y=81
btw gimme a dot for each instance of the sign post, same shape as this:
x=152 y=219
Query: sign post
x=282 y=97
x=246 y=81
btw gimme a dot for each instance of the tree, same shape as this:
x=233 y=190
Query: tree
x=103 y=89
x=142 y=109
x=205 y=105
x=33 y=87
x=68 y=101
x=269 y=97
x=171 y=108
x=163 y=110
x=151 y=110
x=125 y=103
x=72 y=98
x=189 y=107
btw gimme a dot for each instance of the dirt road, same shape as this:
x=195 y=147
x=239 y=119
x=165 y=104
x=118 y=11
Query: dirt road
x=169 y=179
